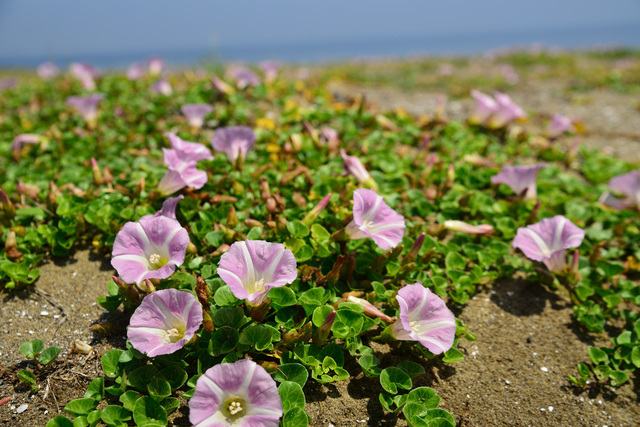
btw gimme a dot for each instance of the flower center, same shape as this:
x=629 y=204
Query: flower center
x=234 y=408
x=414 y=327
x=258 y=286
x=174 y=335
x=157 y=261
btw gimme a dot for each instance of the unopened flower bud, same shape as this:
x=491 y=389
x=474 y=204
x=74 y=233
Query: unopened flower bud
x=265 y=191
x=415 y=249
x=299 y=199
x=463 y=227
x=11 y=246
x=31 y=191
x=6 y=207
x=232 y=217
x=251 y=223
x=313 y=214
x=128 y=291
x=451 y=176
x=95 y=169
x=221 y=249
x=575 y=262
x=370 y=310
x=322 y=333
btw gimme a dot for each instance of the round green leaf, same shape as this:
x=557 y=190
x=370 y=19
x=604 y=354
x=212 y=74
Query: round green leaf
x=294 y=372
x=393 y=378
x=149 y=413
x=291 y=395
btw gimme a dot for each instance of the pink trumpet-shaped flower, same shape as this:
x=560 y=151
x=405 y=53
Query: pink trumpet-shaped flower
x=628 y=185
x=86 y=73
x=373 y=218
x=189 y=150
x=424 y=317
x=521 y=179
x=8 y=83
x=25 y=138
x=559 y=125
x=240 y=394
x=354 y=166
x=547 y=241
x=164 y=322
x=136 y=71
x=87 y=106
x=463 y=227
x=151 y=248
x=252 y=267
x=234 y=141
x=507 y=111
x=195 y=113
x=48 y=71
x=270 y=69
x=182 y=172
x=162 y=86
x=484 y=107
x=156 y=65
x=243 y=76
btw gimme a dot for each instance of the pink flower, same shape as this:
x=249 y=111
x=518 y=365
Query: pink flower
x=86 y=73
x=48 y=71
x=182 y=172
x=559 y=125
x=238 y=394
x=162 y=86
x=25 y=138
x=373 y=218
x=195 y=113
x=189 y=150
x=156 y=65
x=136 y=71
x=628 y=185
x=354 y=166
x=220 y=85
x=270 y=69
x=87 y=106
x=151 y=248
x=507 y=111
x=547 y=241
x=252 y=267
x=424 y=317
x=243 y=76
x=234 y=141
x=164 y=322
x=463 y=227
x=484 y=108
x=521 y=179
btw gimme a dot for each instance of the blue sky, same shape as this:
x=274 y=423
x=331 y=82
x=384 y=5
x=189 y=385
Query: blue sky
x=65 y=28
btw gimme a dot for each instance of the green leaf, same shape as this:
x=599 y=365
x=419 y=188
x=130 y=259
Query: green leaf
x=149 y=413
x=223 y=340
x=320 y=314
x=224 y=296
x=31 y=349
x=26 y=377
x=255 y=233
x=295 y=417
x=439 y=418
x=214 y=238
x=170 y=404
x=159 y=388
x=129 y=398
x=598 y=356
x=297 y=229
x=109 y=362
x=49 y=355
x=114 y=415
x=635 y=356
x=453 y=261
x=291 y=396
x=293 y=372
x=142 y=376
x=258 y=336
x=453 y=355
x=412 y=368
x=320 y=233
x=393 y=378
x=59 y=421
x=175 y=375
x=424 y=396
x=282 y=296
x=229 y=316
x=81 y=406
x=95 y=389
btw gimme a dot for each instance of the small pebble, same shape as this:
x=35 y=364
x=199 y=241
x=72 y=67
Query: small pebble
x=44 y=313
x=550 y=408
x=542 y=409
x=507 y=382
x=22 y=408
x=544 y=369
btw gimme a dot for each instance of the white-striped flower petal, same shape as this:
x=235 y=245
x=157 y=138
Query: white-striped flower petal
x=373 y=218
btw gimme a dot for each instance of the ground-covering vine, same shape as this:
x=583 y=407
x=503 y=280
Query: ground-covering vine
x=263 y=230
